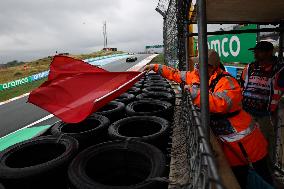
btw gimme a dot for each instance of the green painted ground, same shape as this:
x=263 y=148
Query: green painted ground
x=21 y=135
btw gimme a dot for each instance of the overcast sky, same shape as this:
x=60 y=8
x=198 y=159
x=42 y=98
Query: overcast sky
x=36 y=28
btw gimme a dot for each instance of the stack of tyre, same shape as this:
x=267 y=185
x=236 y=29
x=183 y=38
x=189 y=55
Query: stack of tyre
x=121 y=146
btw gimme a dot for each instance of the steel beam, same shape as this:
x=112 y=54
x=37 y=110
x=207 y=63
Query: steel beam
x=241 y=31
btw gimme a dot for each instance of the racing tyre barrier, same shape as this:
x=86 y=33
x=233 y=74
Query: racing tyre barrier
x=138 y=85
x=157 y=84
x=151 y=74
x=119 y=165
x=157 y=89
x=154 y=76
x=168 y=97
x=149 y=129
x=155 y=79
x=134 y=91
x=113 y=111
x=91 y=131
x=38 y=163
x=125 y=98
x=150 y=108
x=141 y=82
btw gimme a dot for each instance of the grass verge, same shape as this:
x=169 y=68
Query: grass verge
x=40 y=65
x=14 y=92
x=158 y=59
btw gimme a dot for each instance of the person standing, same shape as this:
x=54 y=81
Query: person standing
x=262 y=83
x=229 y=122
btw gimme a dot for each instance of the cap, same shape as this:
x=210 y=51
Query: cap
x=263 y=46
x=213 y=58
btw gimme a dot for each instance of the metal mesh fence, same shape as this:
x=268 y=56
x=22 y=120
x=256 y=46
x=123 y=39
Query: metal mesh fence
x=201 y=164
x=173 y=12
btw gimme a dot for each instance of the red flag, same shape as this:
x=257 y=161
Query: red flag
x=75 y=89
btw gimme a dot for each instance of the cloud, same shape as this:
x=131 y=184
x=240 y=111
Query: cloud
x=35 y=28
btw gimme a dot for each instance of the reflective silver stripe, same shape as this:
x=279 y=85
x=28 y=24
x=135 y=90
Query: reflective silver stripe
x=240 y=135
x=194 y=91
x=183 y=76
x=224 y=95
x=160 y=69
x=231 y=82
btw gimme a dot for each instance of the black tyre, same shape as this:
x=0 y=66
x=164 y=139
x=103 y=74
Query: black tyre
x=157 y=84
x=1 y=186
x=126 y=98
x=156 y=79
x=91 y=131
x=150 y=108
x=141 y=82
x=157 y=89
x=138 y=85
x=168 y=97
x=149 y=129
x=151 y=74
x=113 y=111
x=118 y=165
x=154 y=76
x=134 y=91
x=38 y=163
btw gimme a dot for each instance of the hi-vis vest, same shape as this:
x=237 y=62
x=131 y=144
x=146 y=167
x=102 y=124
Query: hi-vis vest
x=229 y=122
x=233 y=124
x=261 y=93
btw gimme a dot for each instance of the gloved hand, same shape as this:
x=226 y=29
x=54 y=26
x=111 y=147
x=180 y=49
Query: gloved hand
x=149 y=67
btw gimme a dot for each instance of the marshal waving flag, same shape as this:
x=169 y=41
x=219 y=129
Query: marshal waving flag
x=76 y=89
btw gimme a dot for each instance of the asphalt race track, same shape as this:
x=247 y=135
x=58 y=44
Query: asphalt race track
x=18 y=114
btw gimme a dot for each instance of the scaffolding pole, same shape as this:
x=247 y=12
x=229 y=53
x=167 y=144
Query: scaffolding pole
x=203 y=68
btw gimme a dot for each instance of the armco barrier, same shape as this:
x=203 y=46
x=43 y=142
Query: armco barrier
x=44 y=74
x=23 y=81
x=15 y=83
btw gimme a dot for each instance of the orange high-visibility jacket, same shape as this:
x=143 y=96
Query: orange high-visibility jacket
x=229 y=122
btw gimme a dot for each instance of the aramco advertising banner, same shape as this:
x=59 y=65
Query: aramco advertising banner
x=234 y=47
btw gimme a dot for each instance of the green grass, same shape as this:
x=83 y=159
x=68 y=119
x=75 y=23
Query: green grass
x=37 y=66
x=14 y=92
x=158 y=59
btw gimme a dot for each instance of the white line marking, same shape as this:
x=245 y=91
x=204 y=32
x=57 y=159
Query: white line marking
x=13 y=99
x=30 y=125
x=141 y=64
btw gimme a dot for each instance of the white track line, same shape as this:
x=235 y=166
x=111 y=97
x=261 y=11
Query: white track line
x=141 y=64
x=30 y=125
x=13 y=99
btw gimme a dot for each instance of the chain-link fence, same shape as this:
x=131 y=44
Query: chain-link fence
x=201 y=164
x=175 y=13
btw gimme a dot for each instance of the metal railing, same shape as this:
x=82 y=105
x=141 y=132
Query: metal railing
x=201 y=164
